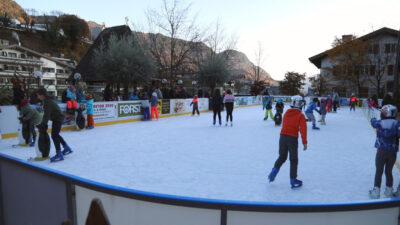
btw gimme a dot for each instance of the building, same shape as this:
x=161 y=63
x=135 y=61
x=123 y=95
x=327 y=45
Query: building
x=373 y=75
x=16 y=60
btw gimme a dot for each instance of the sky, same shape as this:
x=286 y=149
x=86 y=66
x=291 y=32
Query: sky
x=289 y=31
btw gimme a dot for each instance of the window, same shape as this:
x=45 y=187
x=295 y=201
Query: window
x=393 y=48
x=47 y=70
x=29 y=57
x=387 y=48
x=48 y=82
x=60 y=71
x=372 y=70
x=3 y=53
x=390 y=70
x=23 y=56
x=61 y=82
x=376 y=49
x=12 y=55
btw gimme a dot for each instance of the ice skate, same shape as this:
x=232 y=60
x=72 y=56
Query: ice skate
x=67 y=150
x=57 y=157
x=272 y=175
x=315 y=127
x=388 y=192
x=220 y=123
x=397 y=193
x=296 y=183
x=375 y=193
x=214 y=122
x=226 y=124
x=231 y=124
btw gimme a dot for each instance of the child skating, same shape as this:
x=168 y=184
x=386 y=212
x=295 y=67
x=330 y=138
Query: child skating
x=309 y=113
x=293 y=123
x=279 y=111
x=387 y=134
x=229 y=101
x=268 y=107
x=195 y=103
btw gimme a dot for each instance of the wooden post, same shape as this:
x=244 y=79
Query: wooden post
x=396 y=72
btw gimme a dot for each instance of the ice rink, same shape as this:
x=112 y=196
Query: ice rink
x=187 y=156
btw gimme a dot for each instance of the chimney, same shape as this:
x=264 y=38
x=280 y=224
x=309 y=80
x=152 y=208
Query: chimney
x=347 y=38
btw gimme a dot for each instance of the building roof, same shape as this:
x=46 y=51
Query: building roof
x=35 y=53
x=316 y=59
x=85 y=66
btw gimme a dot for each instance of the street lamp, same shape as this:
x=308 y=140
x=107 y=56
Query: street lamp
x=194 y=84
x=38 y=74
x=77 y=76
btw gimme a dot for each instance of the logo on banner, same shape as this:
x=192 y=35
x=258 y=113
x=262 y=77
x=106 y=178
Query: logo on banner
x=129 y=109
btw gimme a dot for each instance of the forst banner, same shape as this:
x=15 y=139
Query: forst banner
x=129 y=109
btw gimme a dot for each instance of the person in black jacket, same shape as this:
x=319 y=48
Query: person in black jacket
x=53 y=112
x=217 y=105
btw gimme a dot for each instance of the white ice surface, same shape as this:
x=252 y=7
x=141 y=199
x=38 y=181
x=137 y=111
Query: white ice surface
x=187 y=156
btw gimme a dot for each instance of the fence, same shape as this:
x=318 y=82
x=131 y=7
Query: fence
x=36 y=195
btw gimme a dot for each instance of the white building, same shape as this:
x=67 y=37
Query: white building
x=16 y=60
x=376 y=71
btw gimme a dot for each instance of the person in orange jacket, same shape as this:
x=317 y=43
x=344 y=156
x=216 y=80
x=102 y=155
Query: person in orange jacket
x=353 y=101
x=195 y=103
x=294 y=122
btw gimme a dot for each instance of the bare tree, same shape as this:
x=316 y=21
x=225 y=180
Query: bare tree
x=219 y=41
x=379 y=61
x=173 y=36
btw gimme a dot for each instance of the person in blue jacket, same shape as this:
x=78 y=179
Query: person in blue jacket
x=309 y=112
x=387 y=136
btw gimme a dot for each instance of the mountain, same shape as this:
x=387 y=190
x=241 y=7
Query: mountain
x=241 y=66
x=95 y=29
x=12 y=9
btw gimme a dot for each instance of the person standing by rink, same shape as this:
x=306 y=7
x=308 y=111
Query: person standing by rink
x=53 y=112
x=294 y=122
x=229 y=101
x=387 y=134
x=89 y=111
x=353 y=101
x=154 y=104
x=268 y=107
x=216 y=103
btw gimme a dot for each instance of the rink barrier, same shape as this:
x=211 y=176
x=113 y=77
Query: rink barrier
x=60 y=196
x=108 y=113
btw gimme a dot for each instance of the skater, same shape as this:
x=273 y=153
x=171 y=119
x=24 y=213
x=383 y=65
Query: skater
x=335 y=101
x=353 y=101
x=53 y=112
x=71 y=102
x=195 y=103
x=322 y=110
x=329 y=104
x=31 y=117
x=145 y=107
x=293 y=123
x=373 y=102
x=268 y=107
x=154 y=103
x=217 y=104
x=309 y=112
x=387 y=134
x=279 y=111
x=89 y=111
x=229 y=101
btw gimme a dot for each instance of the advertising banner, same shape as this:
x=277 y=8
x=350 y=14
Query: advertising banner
x=165 y=106
x=103 y=111
x=179 y=106
x=129 y=109
x=203 y=104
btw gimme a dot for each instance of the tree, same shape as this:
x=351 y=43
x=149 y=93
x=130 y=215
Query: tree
x=213 y=72
x=5 y=20
x=173 y=37
x=319 y=84
x=349 y=55
x=123 y=61
x=378 y=63
x=292 y=83
x=74 y=28
x=255 y=75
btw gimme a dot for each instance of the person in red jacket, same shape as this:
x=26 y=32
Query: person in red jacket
x=353 y=101
x=195 y=103
x=294 y=122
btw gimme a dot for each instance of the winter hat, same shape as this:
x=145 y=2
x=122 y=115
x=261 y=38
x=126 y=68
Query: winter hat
x=72 y=88
x=195 y=96
x=24 y=102
x=89 y=96
x=154 y=94
x=323 y=100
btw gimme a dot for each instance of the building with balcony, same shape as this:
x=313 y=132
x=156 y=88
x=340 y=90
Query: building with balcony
x=16 y=60
x=374 y=74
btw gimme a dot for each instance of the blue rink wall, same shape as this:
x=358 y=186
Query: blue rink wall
x=32 y=194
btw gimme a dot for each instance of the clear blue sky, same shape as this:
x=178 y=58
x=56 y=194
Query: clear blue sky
x=290 y=31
